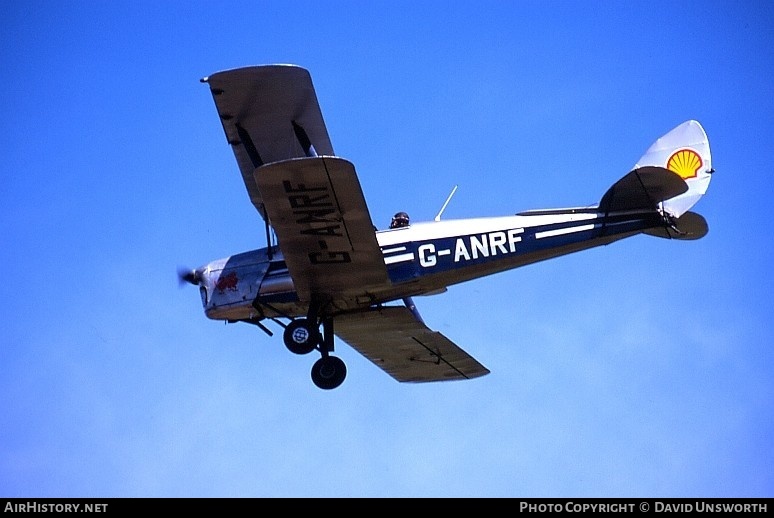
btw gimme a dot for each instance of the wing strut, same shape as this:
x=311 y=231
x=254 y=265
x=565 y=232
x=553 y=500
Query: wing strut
x=409 y=302
x=269 y=248
x=247 y=142
x=303 y=139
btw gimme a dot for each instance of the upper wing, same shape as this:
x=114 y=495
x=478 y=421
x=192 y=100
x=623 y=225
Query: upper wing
x=404 y=347
x=269 y=113
x=318 y=211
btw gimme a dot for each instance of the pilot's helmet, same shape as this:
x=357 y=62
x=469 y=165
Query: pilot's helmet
x=401 y=219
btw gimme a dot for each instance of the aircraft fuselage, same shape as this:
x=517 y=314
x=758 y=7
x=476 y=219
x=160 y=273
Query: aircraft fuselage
x=423 y=258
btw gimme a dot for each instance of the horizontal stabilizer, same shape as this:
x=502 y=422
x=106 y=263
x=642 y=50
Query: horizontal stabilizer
x=689 y=226
x=642 y=189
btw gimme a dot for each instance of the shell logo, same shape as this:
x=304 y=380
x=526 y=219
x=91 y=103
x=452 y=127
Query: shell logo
x=685 y=163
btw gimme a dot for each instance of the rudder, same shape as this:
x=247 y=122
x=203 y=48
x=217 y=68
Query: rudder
x=685 y=151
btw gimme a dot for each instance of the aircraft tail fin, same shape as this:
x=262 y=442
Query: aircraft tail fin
x=685 y=151
x=670 y=177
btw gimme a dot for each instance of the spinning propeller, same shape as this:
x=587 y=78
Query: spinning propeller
x=190 y=276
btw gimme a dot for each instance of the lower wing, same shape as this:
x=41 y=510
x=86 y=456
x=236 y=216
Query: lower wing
x=404 y=347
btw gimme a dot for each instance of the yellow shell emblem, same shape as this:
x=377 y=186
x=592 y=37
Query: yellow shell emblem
x=685 y=162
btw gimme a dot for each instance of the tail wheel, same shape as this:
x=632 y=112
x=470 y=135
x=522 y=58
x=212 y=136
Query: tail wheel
x=328 y=372
x=301 y=336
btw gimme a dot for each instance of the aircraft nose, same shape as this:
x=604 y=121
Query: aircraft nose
x=190 y=276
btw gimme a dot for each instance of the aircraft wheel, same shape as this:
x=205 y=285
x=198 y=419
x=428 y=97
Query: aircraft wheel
x=301 y=336
x=329 y=372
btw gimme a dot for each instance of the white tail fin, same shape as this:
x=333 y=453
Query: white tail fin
x=685 y=151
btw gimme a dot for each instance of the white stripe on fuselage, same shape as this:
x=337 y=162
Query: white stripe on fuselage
x=479 y=237
x=402 y=258
x=562 y=231
x=430 y=230
x=393 y=250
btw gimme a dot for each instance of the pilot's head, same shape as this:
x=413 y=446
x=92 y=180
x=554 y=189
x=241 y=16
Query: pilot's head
x=401 y=219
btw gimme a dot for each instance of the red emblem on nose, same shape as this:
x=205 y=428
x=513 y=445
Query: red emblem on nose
x=227 y=282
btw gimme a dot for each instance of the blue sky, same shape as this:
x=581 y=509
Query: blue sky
x=640 y=369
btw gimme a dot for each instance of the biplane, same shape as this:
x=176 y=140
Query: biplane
x=328 y=272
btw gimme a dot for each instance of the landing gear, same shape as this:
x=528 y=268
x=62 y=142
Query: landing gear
x=303 y=335
x=328 y=372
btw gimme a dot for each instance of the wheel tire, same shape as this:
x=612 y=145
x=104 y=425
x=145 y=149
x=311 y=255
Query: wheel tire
x=301 y=337
x=328 y=372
